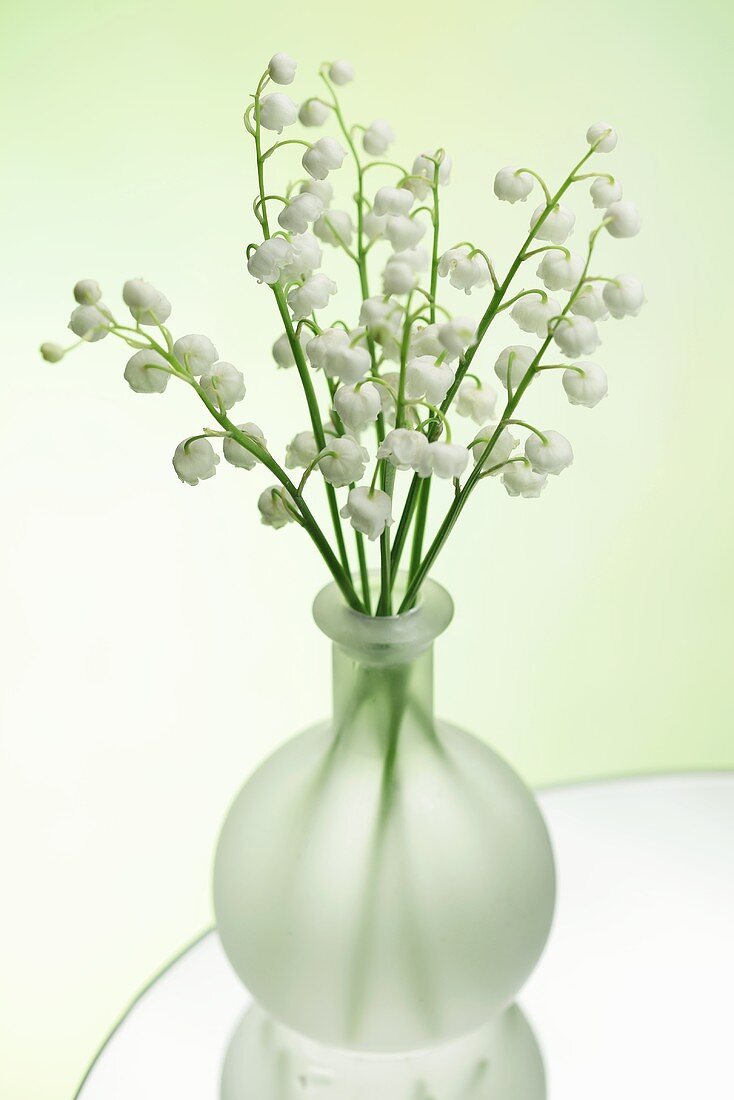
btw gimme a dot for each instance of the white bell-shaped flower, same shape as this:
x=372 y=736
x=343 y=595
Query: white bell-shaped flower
x=576 y=335
x=404 y=232
x=89 y=323
x=514 y=361
x=195 y=461
x=341 y=72
x=369 y=511
x=604 y=192
x=313 y=294
x=476 y=402
x=147 y=305
x=532 y=314
x=557 y=227
x=268 y=260
x=282 y=68
x=445 y=460
x=424 y=169
x=276 y=111
x=456 y=335
x=376 y=312
x=624 y=219
x=561 y=272
x=343 y=461
x=403 y=448
x=276 y=507
x=358 y=407
x=513 y=185
x=324 y=156
x=502 y=448
x=223 y=384
x=425 y=378
x=313 y=112
x=550 y=455
x=398 y=277
x=195 y=353
x=321 y=188
x=347 y=361
x=283 y=352
x=393 y=200
x=424 y=341
x=602 y=135
x=521 y=480
x=465 y=272
x=589 y=302
x=585 y=384
x=306 y=256
x=87 y=292
x=625 y=296
x=378 y=136
x=52 y=353
x=301 y=451
x=147 y=372
x=239 y=456
x=374 y=225
x=300 y=211
x=320 y=346
x=335 y=227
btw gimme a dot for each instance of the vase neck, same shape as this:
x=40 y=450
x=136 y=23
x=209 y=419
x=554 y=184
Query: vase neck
x=375 y=706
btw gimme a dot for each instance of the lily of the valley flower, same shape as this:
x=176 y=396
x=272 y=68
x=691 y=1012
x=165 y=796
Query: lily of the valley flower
x=624 y=219
x=276 y=111
x=357 y=407
x=195 y=353
x=557 y=227
x=604 y=192
x=404 y=232
x=576 y=335
x=343 y=461
x=89 y=323
x=403 y=448
x=301 y=451
x=369 y=511
x=305 y=257
x=324 y=156
x=313 y=295
x=521 y=480
x=300 y=211
x=268 y=260
x=476 y=402
x=341 y=72
x=223 y=384
x=625 y=296
x=143 y=372
x=239 y=456
x=282 y=68
x=424 y=169
x=313 y=112
x=465 y=272
x=456 y=335
x=378 y=136
x=533 y=313
x=513 y=185
x=585 y=384
x=514 y=361
x=603 y=136
x=550 y=455
x=87 y=292
x=590 y=303
x=147 y=305
x=195 y=461
x=393 y=200
x=334 y=227
x=445 y=460
x=424 y=377
x=276 y=506
x=502 y=448
x=559 y=271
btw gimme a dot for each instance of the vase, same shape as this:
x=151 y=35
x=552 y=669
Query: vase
x=383 y=886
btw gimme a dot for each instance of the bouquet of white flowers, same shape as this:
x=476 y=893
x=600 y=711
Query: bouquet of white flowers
x=397 y=375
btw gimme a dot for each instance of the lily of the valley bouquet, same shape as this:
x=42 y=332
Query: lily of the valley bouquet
x=388 y=396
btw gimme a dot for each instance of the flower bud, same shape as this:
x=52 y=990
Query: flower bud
x=603 y=136
x=343 y=461
x=377 y=138
x=625 y=220
x=561 y=272
x=147 y=305
x=324 y=156
x=267 y=261
x=52 y=353
x=604 y=192
x=196 y=353
x=424 y=377
x=357 y=407
x=393 y=200
x=223 y=384
x=239 y=456
x=313 y=294
x=625 y=296
x=476 y=402
x=301 y=451
x=502 y=448
x=341 y=72
x=335 y=227
x=445 y=460
x=550 y=455
x=586 y=384
x=276 y=111
x=511 y=185
x=313 y=112
x=300 y=212
x=521 y=480
x=515 y=361
x=557 y=226
x=590 y=303
x=403 y=448
x=89 y=323
x=369 y=511
x=143 y=372
x=532 y=314
x=282 y=68
x=195 y=461
x=275 y=504
x=87 y=292
x=576 y=336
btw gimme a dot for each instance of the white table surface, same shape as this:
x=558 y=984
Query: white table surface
x=633 y=999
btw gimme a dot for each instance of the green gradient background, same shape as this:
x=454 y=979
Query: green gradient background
x=157 y=641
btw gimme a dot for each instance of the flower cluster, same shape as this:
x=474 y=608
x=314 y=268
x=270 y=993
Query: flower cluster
x=389 y=394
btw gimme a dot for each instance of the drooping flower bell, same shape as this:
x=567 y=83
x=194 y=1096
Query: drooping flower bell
x=550 y=455
x=576 y=335
x=476 y=402
x=445 y=460
x=223 y=384
x=321 y=188
x=604 y=192
x=195 y=460
x=465 y=272
x=276 y=111
x=521 y=480
x=282 y=68
x=590 y=303
x=513 y=185
x=312 y=295
x=393 y=200
x=147 y=372
x=195 y=353
x=346 y=360
x=533 y=314
x=305 y=257
x=341 y=72
x=424 y=377
x=559 y=271
x=378 y=136
x=301 y=451
x=625 y=296
x=334 y=227
x=603 y=136
x=89 y=323
x=313 y=112
x=422 y=174
x=514 y=362
x=343 y=461
x=299 y=212
x=324 y=156
x=239 y=456
x=557 y=227
x=268 y=260
x=283 y=352
x=624 y=219
x=276 y=507
x=147 y=305
x=369 y=511
x=357 y=407
x=404 y=232
x=403 y=448
x=87 y=292
x=585 y=384
x=456 y=335
x=501 y=450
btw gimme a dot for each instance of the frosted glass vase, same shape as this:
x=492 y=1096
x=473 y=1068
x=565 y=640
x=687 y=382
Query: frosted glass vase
x=383 y=886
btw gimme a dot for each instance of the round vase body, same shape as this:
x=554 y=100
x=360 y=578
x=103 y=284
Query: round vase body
x=384 y=882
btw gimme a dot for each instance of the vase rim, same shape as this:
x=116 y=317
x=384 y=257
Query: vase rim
x=387 y=639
